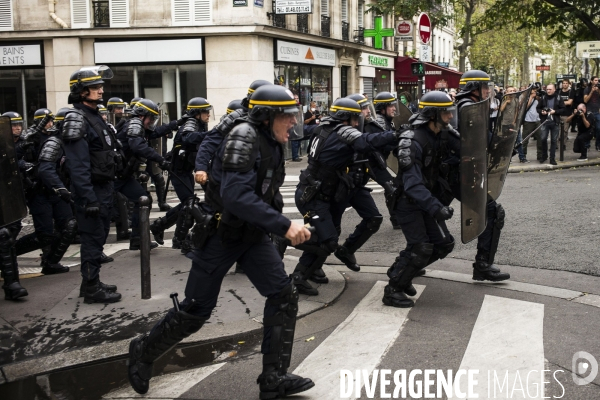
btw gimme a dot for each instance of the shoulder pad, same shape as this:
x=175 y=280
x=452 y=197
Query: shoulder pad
x=239 y=152
x=405 y=139
x=228 y=121
x=190 y=125
x=73 y=125
x=51 y=149
x=407 y=134
x=135 y=128
x=348 y=134
x=380 y=120
x=405 y=152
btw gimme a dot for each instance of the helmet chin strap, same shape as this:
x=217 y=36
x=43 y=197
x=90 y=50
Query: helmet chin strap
x=88 y=100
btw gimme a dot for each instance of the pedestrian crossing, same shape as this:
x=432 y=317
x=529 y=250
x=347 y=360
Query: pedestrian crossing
x=348 y=362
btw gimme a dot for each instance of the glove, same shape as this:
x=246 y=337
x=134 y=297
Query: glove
x=28 y=165
x=165 y=165
x=181 y=120
x=64 y=194
x=443 y=214
x=92 y=210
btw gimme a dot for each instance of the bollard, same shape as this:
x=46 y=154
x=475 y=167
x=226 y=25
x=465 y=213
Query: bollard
x=145 y=246
x=561 y=141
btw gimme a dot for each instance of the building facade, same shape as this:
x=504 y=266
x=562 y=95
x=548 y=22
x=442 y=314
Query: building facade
x=173 y=50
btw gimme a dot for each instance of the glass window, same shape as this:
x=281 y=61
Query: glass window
x=11 y=91
x=309 y=83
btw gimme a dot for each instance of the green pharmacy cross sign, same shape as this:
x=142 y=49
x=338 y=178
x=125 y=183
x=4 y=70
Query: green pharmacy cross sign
x=379 y=32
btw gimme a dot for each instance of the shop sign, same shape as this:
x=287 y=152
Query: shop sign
x=155 y=51
x=240 y=3
x=376 y=61
x=305 y=81
x=305 y=54
x=292 y=7
x=404 y=30
x=259 y=3
x=30 y=54
x=441 y=84
x=433 y=72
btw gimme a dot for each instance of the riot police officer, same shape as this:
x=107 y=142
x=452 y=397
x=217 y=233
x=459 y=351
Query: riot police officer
x=245 y=175
x=16 y=124
x=136 y=152
x=421 y=214
x=90 y=150
x=185 y=144
x=116 y=109
x=326 y=184
x=475 y=88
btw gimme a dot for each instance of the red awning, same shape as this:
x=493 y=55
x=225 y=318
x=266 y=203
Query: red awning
x=436 y=77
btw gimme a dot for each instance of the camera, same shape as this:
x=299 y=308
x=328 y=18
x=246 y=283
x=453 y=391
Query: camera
x=537 y=86
x=546 y=109
x=578 y=112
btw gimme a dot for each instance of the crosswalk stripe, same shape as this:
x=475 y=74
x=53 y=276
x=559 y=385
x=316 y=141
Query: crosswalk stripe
x=169 y=386
x=358 y=343
x=507 y=339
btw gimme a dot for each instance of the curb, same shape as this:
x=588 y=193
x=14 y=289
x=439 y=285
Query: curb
x=117 y=350
x=548 y=167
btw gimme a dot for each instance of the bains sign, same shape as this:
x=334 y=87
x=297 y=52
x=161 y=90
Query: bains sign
x=17 y=56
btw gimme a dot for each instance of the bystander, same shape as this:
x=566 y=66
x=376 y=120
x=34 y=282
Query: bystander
x=550 y=108
x=567 y=94
x=531 y=123
x=583 y=119
x=591 y=98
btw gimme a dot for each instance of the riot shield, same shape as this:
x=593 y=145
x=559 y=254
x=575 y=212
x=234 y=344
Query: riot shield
x=500 y=150
x=297 y=131
x=473 y=128
x=401 y=118
x=12 y=197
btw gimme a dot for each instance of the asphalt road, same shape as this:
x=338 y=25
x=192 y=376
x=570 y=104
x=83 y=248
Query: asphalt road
x=552 y=218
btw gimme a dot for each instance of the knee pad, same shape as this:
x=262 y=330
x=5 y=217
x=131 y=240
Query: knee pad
x=330 y=245
x=159 y=180
x=6 y=240
x=46 y=239
x=440 y=251
x=420 y=254
x=374 y=223
x=70 y=227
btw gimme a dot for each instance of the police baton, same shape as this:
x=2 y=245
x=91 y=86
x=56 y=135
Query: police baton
x=171 y=173
x=531 y=134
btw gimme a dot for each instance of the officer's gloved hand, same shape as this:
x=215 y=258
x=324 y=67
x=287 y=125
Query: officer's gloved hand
x=181 y=120
x=64 y=194
x=92 y=210
x=27 y=165
x=165 y=165
x=444 y=213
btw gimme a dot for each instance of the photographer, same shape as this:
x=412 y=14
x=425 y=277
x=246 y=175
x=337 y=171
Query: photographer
x=583 y=119
x=578 y=98
x=550 y=108
x=312 y=116
x=591 y=98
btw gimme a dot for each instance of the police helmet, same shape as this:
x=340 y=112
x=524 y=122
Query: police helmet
x=133 y=101
x=234 y=105
x=382 y=100
x=360 y=99
x=270 y=100
x=431 y=106
x=144 y=107
x=343 y=109
x=472 y=80
x=59 y=118
x=197 y=105
x=41 y=113
x=251 y=89
x=84 y=77
x=102 y=110
x=15 y=118
x=115 y=102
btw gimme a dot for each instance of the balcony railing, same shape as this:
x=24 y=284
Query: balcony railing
x=325 y=26
x=278 y=19
x=302 y=23
x=345 y=31
x=359 y=35
x=101 y=14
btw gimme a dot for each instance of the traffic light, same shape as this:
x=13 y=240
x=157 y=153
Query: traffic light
x=417 y=68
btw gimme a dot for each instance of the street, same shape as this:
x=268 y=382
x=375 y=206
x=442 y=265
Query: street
x=538 y=320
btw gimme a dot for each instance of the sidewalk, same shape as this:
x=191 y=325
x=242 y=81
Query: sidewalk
x=53 y=329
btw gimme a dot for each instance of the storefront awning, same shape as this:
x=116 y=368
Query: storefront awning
x=436 y=77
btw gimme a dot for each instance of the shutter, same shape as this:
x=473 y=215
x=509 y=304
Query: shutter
x=361 y=13
x=80 y=14
x=325 y=7
x=6 y=19
x=368 y=87
x=202 y=12
x=345 y=10
x=181 y=12
x=119 y=13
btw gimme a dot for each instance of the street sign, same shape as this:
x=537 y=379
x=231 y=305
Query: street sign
x=293 y=7
x=425 y=53
x=404 y=30
x=588 y=49
x=424 y=24
x=542 y=68
x=378 y=32
x=417 y=68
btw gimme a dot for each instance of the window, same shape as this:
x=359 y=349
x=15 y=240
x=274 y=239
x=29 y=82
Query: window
x=191 y=12
x=344 y=10
x=325 y=7
x=6 y=19
x=361 y=14
x=80 y=14
x=119 y=13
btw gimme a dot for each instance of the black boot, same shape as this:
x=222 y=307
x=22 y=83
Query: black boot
x=103 y=286
x=275 y=382
x=482 y=271
x=104 y=259
x=123 y=234
x=302 y=273
x=144 y=350
x=348 y=258
x=161 y=193
x=396 y=298
x=319 y=277
x=94 y=292
x=50 y=269
x=134 y=244
x=9 y=267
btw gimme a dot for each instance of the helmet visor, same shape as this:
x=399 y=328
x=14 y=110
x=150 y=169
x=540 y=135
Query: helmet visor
x=358 y=122
x=448 y=116
x=103 y=71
